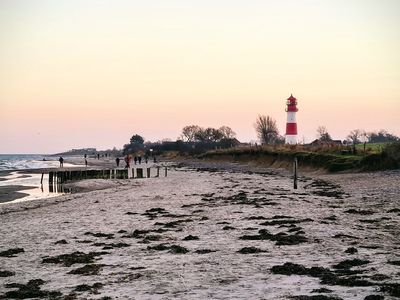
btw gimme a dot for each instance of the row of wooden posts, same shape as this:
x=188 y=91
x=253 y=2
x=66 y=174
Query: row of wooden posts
x=59 y=177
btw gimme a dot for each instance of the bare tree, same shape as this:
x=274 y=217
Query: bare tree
x=227 y=132
x=355 y=136
x=323 y=134
x=266 y=129
x=208 y=135
x=189 y=132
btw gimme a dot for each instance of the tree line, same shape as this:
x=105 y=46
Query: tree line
x=195 y=133
x=266 y=130
x=358 y=136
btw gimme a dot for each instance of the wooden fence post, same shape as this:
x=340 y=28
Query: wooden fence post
x=295 y=173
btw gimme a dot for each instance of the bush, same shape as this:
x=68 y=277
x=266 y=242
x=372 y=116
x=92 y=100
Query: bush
x=388 y=159
x=393 y=151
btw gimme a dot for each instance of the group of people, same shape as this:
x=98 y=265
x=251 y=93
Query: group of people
x=127 y=159
x=136 y=159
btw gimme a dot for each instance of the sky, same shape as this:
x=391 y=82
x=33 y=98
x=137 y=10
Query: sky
x=91 y=73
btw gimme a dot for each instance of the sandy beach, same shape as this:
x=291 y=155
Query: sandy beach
x=208 y=231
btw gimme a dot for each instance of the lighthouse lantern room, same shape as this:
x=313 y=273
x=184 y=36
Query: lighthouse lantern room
x=291 y=125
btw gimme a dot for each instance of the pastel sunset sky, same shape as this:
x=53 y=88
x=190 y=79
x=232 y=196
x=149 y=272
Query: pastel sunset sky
x=90 y=73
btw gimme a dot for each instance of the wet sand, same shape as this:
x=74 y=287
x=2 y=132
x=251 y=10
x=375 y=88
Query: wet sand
x=13 y=192
x=209 y=230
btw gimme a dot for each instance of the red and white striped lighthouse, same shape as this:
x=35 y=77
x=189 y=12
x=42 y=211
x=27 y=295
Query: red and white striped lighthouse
x=291 y=125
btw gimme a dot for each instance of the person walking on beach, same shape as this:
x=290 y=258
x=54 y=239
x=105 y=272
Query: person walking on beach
x=85 y=162
x=135 y=159
x=61 y=160
x=98 y=156
x=146 y=158
x=117 y=161
x=127 y=162
x=140 y=159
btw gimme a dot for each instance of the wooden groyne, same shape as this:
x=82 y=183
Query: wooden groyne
x=63 y=176
x=57 y=178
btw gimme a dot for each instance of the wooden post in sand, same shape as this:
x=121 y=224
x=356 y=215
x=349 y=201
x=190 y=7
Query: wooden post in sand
x=295 y=173
x=130 y=173
x=41 y=179
x=166 y=171
x=158 y=171
x=50 y=178
x=148 y=172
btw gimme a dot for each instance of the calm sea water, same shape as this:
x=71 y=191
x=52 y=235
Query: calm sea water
x=26 y=161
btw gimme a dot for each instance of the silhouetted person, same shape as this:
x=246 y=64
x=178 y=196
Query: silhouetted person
x=140 y=159
x=154 y=159
x=61 y=160
x=127 y=165
x=98 y=156
x=117 y=161
x=85 y=162
x=85 y=156
x=135 y=159
x=146 y=158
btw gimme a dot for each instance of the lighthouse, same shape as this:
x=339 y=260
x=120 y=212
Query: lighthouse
x=291 y=125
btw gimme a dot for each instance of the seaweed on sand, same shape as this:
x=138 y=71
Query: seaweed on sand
x=325 y=275
x=315 y=297
x=250 y=250
x=175 y=249
x=73 y=258
x=191 y=238
x=349 y=263
x=29 y=290
x=11 y=252
x=280 y=238
x=100 y=234
x=90 y=269
x=6 y=273
x=86 y=287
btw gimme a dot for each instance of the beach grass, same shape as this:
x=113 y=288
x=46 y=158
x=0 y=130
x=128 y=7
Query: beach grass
x=329 y=158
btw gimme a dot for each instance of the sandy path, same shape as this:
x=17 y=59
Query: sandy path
x=225 y=210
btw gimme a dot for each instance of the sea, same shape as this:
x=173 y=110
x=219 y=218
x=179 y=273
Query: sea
x=27 y=161
x=12 y=167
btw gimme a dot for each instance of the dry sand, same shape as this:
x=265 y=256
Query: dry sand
x=211 y=231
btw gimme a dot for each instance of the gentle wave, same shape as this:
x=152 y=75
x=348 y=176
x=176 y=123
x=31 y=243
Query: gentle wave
x=26 y=161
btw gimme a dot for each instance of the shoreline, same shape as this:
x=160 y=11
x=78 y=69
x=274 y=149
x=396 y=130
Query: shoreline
x=10 y=192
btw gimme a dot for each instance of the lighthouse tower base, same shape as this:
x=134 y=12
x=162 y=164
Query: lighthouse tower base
x=291 y=139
